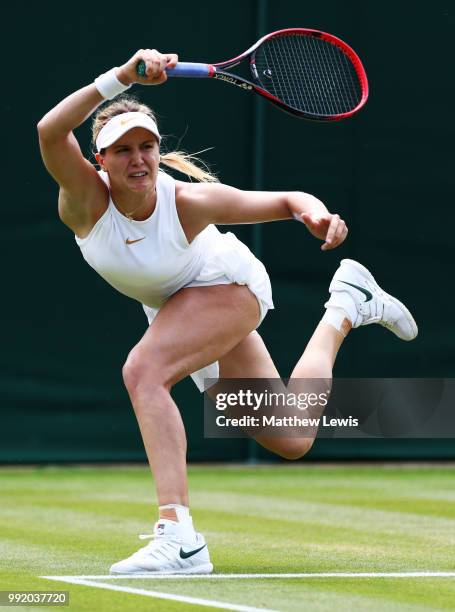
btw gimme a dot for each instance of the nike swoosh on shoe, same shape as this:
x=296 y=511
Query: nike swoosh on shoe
x=367 y=294
x=186 y=554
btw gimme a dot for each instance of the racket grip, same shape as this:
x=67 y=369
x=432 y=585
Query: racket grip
x=191 y=70
x=183 y=69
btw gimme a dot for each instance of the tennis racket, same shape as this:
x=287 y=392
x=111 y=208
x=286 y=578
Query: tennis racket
x=308 y=73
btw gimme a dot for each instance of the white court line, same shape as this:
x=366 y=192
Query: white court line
x=181 y=598
x=252 y=576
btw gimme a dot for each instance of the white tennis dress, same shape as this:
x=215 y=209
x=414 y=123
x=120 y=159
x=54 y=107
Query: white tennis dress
x=150 y=260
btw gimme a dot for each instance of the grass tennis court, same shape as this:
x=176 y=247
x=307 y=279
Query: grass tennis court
x=300 y=518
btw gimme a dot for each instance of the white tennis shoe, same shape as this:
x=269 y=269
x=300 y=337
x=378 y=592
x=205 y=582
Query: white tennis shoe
x=175 y=549
x=369 y=303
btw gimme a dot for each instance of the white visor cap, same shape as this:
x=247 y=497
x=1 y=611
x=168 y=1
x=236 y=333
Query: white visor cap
x=123 y=123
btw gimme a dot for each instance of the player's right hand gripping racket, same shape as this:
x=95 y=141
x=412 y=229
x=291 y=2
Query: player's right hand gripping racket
x=308 y=73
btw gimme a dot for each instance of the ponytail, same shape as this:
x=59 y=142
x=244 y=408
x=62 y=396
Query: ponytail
x=184 y=163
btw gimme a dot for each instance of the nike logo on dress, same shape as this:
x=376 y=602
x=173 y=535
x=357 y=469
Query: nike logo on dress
x=365 y=292
x=128 y=241
x=190 y=553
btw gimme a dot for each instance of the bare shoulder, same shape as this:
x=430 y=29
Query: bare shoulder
x=189 y=201
x=201 y=199
x=80 y=212
x=200 y=204
x=193 y=193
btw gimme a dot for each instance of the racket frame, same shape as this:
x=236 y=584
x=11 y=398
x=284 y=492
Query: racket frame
x=218 y=71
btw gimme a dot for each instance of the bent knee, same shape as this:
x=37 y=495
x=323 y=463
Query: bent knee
x=293 y=449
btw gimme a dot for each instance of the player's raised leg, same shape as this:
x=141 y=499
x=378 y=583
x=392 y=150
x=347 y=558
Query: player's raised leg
x=356 y=299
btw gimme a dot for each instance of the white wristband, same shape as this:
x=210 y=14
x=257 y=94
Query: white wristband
x=109 y=86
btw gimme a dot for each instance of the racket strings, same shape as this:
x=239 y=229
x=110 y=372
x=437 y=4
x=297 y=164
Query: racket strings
x=309 y=74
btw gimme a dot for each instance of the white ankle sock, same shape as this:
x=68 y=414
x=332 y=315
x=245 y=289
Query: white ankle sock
x=342 y=302
x=182 y=512
x=334 y=317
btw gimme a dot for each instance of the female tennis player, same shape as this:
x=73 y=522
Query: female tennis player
x=154 y=239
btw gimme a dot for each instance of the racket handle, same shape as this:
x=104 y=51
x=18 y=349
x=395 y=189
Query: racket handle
x=183 y=69
x=191 y=70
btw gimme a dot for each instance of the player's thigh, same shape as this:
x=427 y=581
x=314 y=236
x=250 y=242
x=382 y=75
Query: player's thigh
x=195 y=327
x=248 y=359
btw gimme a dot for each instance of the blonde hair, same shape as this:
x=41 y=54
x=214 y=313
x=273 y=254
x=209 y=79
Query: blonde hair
x=186 y=163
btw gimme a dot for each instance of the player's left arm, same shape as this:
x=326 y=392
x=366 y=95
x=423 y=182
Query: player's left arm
x=200 y=204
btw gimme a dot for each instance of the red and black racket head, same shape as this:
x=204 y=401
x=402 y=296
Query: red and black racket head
x=310 y=74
